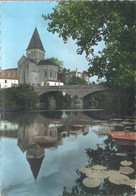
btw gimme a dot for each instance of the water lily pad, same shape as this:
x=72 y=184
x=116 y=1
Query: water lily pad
x=126 y=163
x=113 y=172
x=91 y=182
x=98 y=167
x=121 y=154
x=118 y=179
x=97 y=174
x=131 y=182
x=126 y=170
x=117 y=119
x=83 y=170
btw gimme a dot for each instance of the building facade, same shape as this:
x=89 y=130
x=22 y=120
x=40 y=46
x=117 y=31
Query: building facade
x=8 y=82
x=67 y=76
x=34 y=68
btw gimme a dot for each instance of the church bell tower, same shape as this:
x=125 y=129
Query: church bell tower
x=35 y=49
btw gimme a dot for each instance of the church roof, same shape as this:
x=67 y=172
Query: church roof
x=31 y=60
x=35 y=42
x=35 y=165
x=46 y=62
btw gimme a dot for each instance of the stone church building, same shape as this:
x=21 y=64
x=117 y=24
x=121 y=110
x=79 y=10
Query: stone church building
x=34 y=68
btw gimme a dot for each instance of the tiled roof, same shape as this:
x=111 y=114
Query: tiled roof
x=13 y=69
x=10 y=78
x=46 y=62
x=35 y=42
x=85 y=72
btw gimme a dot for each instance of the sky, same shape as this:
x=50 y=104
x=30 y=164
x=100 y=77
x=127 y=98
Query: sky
x=18 y=21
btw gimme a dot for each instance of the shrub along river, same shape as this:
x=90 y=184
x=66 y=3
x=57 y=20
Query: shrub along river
x=66 y=153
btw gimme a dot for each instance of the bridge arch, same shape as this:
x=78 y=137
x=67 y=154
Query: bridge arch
x=74 y=91
x=54 y=91
x=96 y=99
x=55 y=99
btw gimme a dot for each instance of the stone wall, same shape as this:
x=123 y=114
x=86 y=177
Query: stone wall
x=47 y=72
x=31 y=73
x=72 y=90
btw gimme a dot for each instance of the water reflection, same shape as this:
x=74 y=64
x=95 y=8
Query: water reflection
x=38 y=133
x=43 y=132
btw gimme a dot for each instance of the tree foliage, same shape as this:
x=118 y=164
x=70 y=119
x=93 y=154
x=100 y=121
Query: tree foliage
x=22 y=97
x=74 y=80
x=57 y=62
x=61 y=68
x=90 y=23
x=110 y=101
x=60 y=65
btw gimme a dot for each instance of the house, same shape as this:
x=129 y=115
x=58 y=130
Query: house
x=34 y=68
x=52 y=83
x=9 y=73
x=68 y=75
x=7 y=82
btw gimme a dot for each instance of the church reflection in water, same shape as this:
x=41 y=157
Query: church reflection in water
x=42 y=133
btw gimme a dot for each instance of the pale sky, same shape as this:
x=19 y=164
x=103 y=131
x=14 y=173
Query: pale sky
x=18 y=21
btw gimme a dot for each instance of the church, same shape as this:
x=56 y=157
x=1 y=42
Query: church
x=34 y=68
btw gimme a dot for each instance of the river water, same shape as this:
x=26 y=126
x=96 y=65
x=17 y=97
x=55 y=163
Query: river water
x=41 y=152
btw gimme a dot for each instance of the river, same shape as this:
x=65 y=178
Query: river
x=41 y=152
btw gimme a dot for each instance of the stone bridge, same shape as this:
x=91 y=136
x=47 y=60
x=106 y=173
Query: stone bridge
x=72 y=90
x=76 y=92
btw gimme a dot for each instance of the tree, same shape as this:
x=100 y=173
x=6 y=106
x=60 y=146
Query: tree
x=90 y=23
x=61 y=69
x=60 y=65
x=74 y=80
x=57 y=62
x=22 y=97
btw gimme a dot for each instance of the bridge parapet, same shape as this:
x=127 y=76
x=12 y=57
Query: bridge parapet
x=72 y=90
